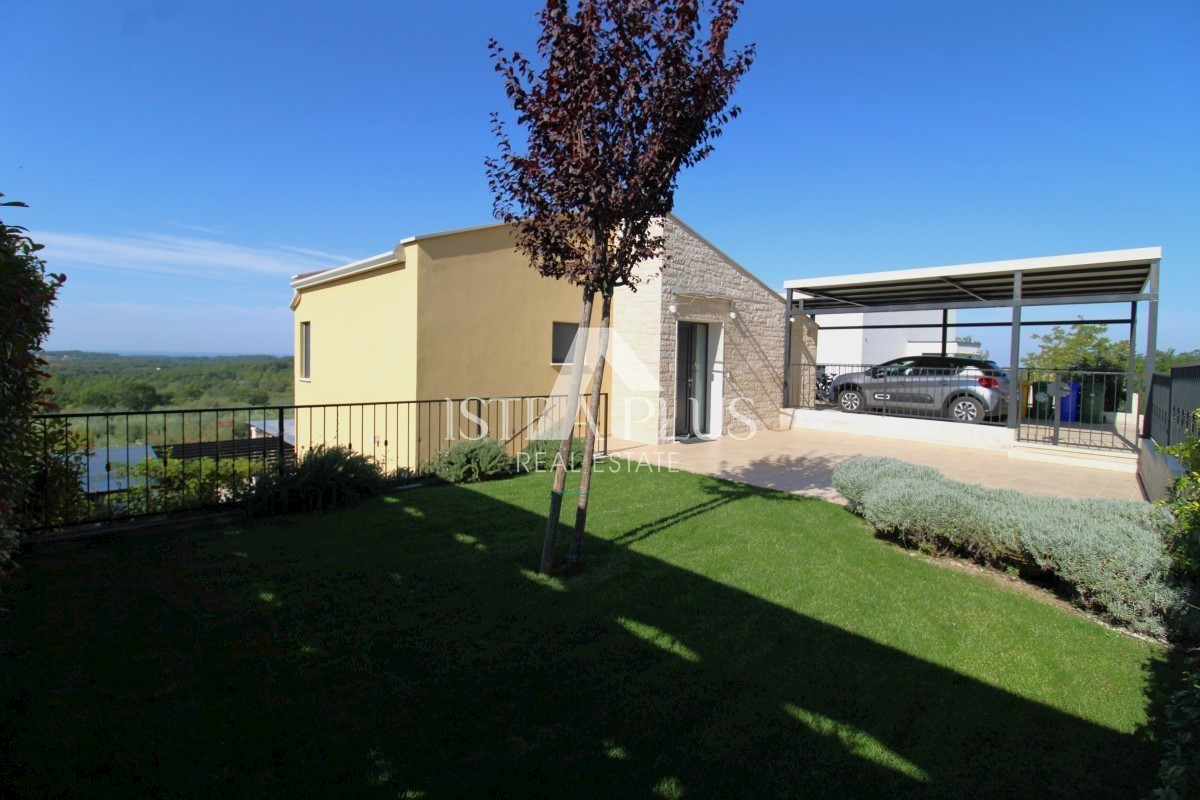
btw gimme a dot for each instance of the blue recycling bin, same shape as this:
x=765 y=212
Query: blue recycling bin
x=1068 y=404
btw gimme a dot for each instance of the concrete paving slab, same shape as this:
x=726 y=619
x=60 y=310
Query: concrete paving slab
x=802 y=462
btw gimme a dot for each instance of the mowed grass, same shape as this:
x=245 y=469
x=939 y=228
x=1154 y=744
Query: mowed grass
x=724 y=641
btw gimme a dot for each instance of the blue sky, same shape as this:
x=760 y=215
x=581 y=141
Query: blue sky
x=182 y=160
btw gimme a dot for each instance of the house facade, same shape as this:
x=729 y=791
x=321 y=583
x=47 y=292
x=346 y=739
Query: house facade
x=698 y=344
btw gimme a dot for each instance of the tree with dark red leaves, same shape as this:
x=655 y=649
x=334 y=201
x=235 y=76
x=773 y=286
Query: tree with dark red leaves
x=623 y=95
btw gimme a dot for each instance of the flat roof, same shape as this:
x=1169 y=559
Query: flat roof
x=308 y=280
x=1102 y=276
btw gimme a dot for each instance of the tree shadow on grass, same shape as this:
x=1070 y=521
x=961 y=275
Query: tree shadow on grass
x=720 y=493
x=808 y=473
x=404 y=649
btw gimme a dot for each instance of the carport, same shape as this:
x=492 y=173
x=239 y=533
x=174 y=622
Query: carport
x=1115 y=276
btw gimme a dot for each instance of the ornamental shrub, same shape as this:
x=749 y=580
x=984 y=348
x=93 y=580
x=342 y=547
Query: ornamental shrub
x=542 y=454
x=57 y=476
x=324 y=478
x=1184 y=501
x=471 y=461
x=1179 y=770
x=1113 y=554
x=920 y=511
x=853 y=477
x=178 y=484
x=26 y=293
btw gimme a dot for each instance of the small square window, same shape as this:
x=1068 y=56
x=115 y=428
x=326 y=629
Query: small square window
x=564 y=338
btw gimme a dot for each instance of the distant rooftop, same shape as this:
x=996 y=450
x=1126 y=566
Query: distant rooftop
x=270 y=427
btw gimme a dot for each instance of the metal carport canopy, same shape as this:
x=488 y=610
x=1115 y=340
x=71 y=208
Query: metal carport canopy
x=1112 y=276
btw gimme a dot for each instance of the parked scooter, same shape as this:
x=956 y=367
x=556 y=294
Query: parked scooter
x=824 y=381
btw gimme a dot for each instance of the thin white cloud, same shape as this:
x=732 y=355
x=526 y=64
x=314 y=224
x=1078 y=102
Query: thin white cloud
x=304 y=251
x=178 y=255
x=187 y=227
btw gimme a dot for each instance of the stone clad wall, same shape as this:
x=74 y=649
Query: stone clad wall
x=752 y=354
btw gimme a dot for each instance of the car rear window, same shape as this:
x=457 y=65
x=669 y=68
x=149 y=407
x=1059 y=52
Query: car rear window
x=963 y=363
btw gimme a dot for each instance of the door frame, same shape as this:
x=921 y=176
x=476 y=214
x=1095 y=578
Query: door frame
x=713 y=377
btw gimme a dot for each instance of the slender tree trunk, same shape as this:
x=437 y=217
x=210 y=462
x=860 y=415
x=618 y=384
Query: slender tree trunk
x=568 y=431
x=575 y=555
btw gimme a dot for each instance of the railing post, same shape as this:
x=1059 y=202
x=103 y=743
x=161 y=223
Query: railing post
x=279 y=444
x=1170 y=408
x=1059 y=405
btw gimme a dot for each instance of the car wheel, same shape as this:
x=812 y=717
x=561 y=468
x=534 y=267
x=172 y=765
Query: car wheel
x=850 y=400
x=965 y=409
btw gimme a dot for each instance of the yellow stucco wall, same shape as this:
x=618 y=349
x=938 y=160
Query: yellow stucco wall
x=465 y=317
x=364 y=350
x=484 y=325
x=364 y=338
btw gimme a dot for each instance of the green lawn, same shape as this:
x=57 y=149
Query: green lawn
x=724 y=641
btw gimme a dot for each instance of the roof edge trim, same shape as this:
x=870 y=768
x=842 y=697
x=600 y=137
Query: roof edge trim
x=1102 y=258
x=346 y=270
x=472 y=229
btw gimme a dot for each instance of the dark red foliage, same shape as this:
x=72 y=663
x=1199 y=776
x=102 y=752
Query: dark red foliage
x=625 y=94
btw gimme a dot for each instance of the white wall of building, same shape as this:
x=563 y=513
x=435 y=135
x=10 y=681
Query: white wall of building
x=874 y=346
x=933 y=347
x=839 y=347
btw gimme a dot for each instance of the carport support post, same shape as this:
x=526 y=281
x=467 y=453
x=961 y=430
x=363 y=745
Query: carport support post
x=1131 y=387
x=945 y=324
x=1151 y=339
x=787 y=351
x=1014 y=369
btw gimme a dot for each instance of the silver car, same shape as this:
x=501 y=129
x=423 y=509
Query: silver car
x=963 y=389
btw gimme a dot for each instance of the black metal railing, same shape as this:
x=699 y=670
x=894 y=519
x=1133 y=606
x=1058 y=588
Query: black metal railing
x=1061 y=407
x=1084 y=409
x=1174 y=400
x=108 y=466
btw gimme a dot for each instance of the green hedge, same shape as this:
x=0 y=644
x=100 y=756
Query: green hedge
x=1113 y=554
x=854 y=477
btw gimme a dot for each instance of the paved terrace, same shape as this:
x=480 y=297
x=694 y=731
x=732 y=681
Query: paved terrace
x=802 y=462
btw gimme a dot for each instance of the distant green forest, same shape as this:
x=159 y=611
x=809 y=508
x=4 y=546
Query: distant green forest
x=82 y=381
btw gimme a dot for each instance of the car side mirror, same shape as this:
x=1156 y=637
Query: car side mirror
x=877 y=372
